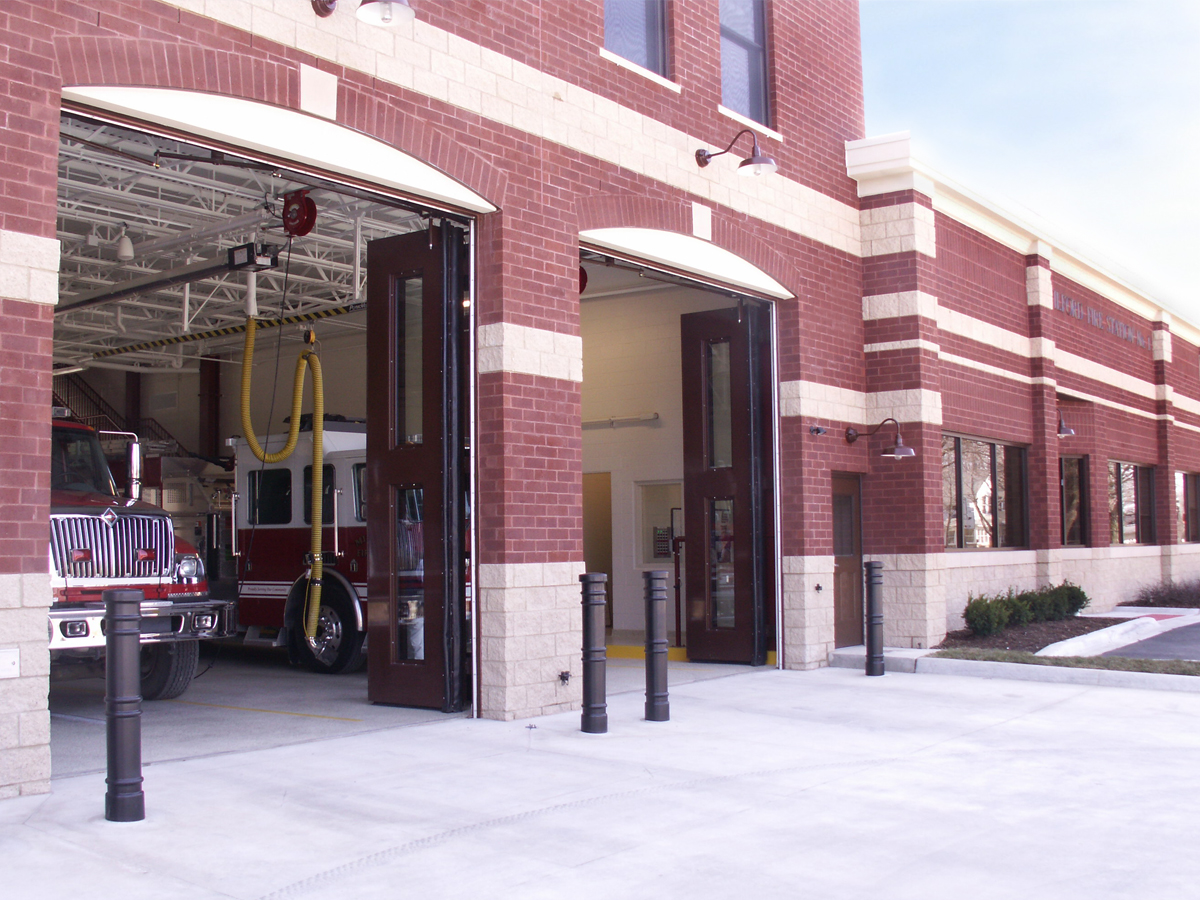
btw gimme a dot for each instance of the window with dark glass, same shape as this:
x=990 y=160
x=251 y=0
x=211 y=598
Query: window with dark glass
x=1187 y=506
x=327 y=494
x=270 y=497
x=1130 y=503
x=636 y=30
x=983 y=494
x=744 y=58
x=1073 y=501
x=360 y=492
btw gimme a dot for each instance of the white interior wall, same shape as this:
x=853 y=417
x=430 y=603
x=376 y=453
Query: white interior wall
x=631 y=365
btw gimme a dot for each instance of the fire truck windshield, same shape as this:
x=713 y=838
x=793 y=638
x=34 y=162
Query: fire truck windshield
x=77 y=463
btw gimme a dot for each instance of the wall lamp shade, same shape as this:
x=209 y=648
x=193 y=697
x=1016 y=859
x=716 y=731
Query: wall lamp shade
x=757 y=163
x=1064 y=430
x=373 y=12
x=899 y=450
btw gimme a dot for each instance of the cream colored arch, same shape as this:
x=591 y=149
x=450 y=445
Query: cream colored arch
x=688 y=254
x=282 y=134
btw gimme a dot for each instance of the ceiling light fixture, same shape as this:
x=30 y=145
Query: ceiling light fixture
x=754 y=164
x=124 y=245
x=899 y=451
x=373 y=12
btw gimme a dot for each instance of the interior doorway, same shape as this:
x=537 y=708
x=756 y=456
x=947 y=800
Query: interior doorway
x=649 y=413
x=597 y=532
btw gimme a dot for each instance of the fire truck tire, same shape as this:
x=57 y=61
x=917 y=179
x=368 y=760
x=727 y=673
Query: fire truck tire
x=339 y=642
x=168 y=669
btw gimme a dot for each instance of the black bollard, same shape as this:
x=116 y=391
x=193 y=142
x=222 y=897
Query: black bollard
x=657 y=707
x=595 y=656
x=874 y=618
x=124 y=801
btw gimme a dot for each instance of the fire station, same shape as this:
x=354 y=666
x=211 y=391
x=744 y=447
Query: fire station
x=583 y=286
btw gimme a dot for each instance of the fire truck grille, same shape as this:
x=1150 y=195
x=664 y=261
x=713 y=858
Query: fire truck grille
x=131 y=547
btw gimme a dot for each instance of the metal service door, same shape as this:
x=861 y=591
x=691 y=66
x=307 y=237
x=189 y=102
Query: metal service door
x=847 y=563
x=727 y=499
x=416 y=506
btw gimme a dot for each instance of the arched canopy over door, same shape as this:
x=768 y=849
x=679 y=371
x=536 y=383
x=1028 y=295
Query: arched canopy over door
x=688 y=255
x=284 y=135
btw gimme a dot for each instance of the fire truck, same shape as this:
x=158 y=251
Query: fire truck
x=273 y=525
x=100 y=541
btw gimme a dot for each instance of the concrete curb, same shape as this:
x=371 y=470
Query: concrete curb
x=1116 y=636
x=974 y=668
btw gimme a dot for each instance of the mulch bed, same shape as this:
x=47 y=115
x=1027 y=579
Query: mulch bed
x=1029 y=638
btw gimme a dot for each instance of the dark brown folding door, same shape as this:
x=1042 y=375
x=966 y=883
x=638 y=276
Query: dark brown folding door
x=416 y=508
x=727 y=484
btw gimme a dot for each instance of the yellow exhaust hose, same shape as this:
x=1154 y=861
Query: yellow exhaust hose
x=312 y=609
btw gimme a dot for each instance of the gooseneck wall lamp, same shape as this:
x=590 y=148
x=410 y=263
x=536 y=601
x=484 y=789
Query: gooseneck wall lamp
x=1064 y=430
x=373 y=12
x=754 y=164
x=899 y=451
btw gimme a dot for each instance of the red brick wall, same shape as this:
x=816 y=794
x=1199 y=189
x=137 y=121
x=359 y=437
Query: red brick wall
x=26 y=342
x=979 y=277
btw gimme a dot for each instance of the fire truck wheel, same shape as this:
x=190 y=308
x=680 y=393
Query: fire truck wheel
x=338 y=641
x=168 y=669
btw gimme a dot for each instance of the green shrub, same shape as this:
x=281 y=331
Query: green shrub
x=986 y=616
x=1072 y=599
x=1020 y=610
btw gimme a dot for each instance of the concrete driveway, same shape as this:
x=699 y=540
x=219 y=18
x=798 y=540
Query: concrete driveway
x=767 y=783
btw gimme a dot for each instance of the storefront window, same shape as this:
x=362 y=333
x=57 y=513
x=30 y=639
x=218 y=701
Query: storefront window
x=1074 y=516
x=983 y=494
x=1187 y=506
x=1130 y=503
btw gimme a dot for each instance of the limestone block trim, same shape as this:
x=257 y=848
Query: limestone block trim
x=24 y=715
x=633 y=67
x=29 y=267
x=1039 y=286
x=885 y=346
x=505 y=347
x=530 y=626
x=807 y=612
x=1162 y=346
x=914 y=599
x=977 y=366
x=905 y=303
x=1103 y=374
x=904 y=228
x=435 y=63
x=971 y=328
x=827 y=401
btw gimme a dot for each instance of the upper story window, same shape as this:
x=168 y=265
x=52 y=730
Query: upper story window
x=1072 y=472
x=1187 y=506
x=744 y=58
x=1130 y=503
x=636 y=30
x=983 y=494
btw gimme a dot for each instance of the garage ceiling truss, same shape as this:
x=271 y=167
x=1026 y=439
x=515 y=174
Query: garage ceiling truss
x=179 y=205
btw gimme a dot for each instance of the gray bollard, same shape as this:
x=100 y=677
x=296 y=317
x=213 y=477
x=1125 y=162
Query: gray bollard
x=874 y=618
x=124 y=801
x=658 y=709
x=594 y=719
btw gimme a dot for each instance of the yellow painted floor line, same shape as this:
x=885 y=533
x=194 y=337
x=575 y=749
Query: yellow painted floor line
x=277 y=712
x=635 y=651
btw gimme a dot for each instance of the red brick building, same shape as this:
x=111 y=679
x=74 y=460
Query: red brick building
x=618 y=345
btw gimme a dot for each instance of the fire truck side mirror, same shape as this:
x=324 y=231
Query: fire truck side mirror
x=133 y=489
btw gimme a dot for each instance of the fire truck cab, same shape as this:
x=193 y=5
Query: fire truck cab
x=273 y=525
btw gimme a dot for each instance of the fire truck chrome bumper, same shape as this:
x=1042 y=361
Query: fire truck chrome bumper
x=72 y=629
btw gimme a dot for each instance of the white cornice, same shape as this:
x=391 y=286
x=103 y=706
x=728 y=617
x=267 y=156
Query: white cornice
x=885 y=164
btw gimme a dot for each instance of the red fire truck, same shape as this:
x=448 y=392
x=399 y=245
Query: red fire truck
x=101 y=541
x=273 y=523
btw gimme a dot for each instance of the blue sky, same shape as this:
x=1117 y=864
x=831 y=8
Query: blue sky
x=1082 y=117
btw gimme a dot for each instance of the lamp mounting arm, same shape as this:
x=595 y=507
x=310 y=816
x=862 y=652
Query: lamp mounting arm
x=704 y=157
x=853 y=434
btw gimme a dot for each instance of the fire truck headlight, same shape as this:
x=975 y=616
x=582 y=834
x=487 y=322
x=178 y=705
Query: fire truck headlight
x=188 y=568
